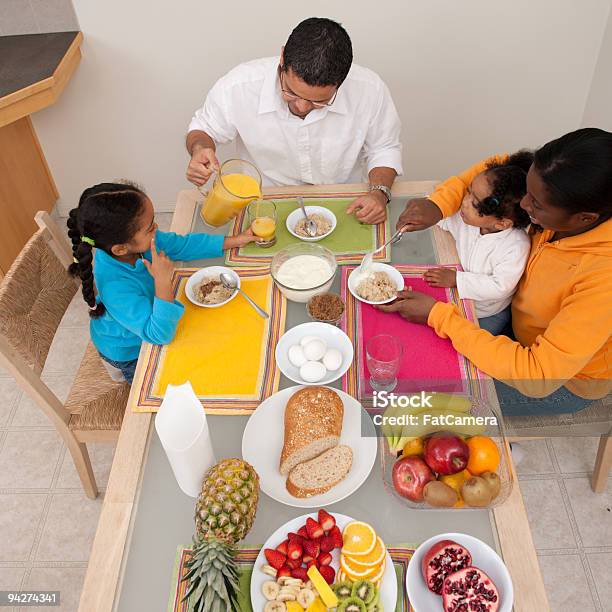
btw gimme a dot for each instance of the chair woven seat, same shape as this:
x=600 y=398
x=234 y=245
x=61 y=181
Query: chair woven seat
x=96 y=402
x=594 y=420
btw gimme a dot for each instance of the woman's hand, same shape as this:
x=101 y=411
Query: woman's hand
x=231 y=242
x=412 y=305
x=161 y=269
x=419 y=214
x=441 y=277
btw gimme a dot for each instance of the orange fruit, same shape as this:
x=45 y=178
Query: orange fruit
x=413 y=447
x=375 y=558
x=484 y=455
x=359 y=539
x=355 y=573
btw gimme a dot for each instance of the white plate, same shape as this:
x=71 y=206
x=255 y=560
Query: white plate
x=388 y=587
x=483 y=556
x=297 y=214
x=330 y=334
x=262 y=443
x=211 y=272
x=353 y=280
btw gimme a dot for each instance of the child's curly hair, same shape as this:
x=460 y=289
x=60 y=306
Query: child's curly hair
x=508 y=181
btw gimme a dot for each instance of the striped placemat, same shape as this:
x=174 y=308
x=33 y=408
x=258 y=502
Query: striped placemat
x=226 y=353
x=349 y=241
x=429 y=363
x=245 y=558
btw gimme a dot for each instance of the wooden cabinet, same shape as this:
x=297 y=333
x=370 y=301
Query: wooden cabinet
x=35 y=71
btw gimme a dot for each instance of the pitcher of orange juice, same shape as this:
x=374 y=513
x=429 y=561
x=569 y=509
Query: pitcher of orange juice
x=237 y=183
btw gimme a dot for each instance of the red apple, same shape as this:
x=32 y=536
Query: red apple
x=410 y=475
x=446 y=453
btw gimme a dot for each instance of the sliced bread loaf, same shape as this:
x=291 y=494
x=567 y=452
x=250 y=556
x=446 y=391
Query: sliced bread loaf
x=313 y=424
x=320 y=474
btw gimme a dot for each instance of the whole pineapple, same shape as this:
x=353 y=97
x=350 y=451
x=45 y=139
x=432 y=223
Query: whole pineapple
x=225 y=512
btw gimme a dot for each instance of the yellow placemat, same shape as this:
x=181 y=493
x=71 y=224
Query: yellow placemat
x=226 y=353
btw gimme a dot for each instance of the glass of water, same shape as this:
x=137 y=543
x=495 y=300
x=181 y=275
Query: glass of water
x=384 y=358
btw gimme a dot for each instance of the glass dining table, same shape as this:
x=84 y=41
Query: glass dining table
x=145 y=516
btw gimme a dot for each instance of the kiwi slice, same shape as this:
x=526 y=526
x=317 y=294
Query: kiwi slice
x=364 y=590
x=352 y=604
x=342 y=590
x=375 y=607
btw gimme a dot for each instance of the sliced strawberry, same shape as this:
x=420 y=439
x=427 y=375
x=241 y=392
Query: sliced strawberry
x=336 y=535
x=283 y=571
x=324 y=558
x=311 y=563
x=275 y=558
x=313 y=528
x=295 y=550
x=312 y=548
x=326 y=520
x=300 y=573
x=327 y=571
x=294 y=563
x=326 y=544
x=282 y=547
x=302 y=531
x=294 y=537
x=306 y=559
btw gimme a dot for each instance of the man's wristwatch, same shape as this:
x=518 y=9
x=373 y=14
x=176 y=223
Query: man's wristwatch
x=382 y=188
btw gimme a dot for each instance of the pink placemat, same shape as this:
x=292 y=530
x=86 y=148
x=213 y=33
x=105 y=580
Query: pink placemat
x=429 y=363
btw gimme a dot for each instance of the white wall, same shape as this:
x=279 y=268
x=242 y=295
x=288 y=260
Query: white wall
x=598 y=110
x=469 y=78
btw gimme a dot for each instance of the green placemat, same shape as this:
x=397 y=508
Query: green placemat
x=246 y=557
x=349 y=241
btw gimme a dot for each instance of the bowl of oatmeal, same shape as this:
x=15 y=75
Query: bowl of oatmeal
x=204 y=287
x=324 y=219
x=379 y=284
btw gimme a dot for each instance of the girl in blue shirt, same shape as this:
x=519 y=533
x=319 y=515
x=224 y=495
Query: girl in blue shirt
x=133 y=269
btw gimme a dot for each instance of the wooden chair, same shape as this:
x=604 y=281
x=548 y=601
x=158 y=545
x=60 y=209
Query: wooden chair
x=595 y=420
x=34 y=296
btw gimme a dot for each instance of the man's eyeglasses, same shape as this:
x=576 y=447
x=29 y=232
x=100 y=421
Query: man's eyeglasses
x=292 y=96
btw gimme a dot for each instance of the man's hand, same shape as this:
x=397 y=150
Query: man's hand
x=203 y=163
x=411 y=305
x=161 y=269
x=419 y=214
x=370 y=208
x=441 y=277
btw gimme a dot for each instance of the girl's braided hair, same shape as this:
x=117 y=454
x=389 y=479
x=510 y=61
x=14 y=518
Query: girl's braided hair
x=508 y=180
x=107 y=215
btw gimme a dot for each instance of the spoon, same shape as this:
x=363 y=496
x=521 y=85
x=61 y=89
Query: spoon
x=369 y=257
x=229 y=283
x=311 y=228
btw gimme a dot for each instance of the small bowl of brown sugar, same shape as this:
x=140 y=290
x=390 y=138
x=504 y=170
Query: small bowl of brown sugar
x=326 y=308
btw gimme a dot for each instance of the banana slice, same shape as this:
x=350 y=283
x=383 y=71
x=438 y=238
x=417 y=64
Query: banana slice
x=305 y=598
x=287 y=594
x=269 y=570
x=275 y=606
x=310 y=585
x=288 y=580
x=270 y=590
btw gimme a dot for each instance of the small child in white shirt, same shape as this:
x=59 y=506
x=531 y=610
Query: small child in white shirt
x=491 y=241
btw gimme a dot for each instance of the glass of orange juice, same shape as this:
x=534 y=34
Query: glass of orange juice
x=262 y=220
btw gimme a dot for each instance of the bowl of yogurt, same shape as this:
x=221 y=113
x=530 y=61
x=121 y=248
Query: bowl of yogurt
x=303 y=270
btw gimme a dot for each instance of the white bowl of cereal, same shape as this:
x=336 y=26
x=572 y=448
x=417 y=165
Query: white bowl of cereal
x=324 y=219
x=204 y=287
x=379 y=285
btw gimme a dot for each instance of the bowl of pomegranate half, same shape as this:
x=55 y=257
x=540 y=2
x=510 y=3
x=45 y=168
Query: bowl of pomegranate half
x=455 y=571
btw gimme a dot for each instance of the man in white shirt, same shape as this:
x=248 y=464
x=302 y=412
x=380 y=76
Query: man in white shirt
x=310 y=117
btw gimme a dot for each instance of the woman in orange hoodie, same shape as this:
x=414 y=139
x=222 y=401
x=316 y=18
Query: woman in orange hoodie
x=558 y=356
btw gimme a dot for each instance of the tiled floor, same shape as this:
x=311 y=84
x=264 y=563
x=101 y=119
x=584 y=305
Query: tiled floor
x=47 y=524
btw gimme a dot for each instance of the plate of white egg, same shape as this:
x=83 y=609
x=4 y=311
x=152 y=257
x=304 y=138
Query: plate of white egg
x=314 y=353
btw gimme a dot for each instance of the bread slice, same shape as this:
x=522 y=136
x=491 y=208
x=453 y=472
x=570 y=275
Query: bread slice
x=313 y=424
x=320 y=474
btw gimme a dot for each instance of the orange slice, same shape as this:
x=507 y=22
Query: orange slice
x=357 y=573
x=372 y=559
x=359 y=539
